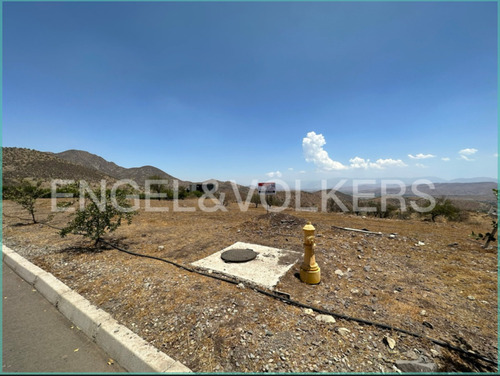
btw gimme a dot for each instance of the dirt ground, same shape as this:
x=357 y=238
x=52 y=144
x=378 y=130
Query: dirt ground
x=445 y=288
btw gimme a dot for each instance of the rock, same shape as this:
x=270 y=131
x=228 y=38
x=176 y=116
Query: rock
x=470 y=297
x=434 y=353
x=423 y=364
x=367 y=268
x=268 y=333
x=390 y=342
x=339 y=272
x=161 y=247
x=325 y=318
x=412 y=355
x=453 y=244
x=366 y=292
x=428 y=324
x=240 y=285
x=423 y=312
x=308 y=311
x=419 y=243
x=392 y=236
x=354 y=291
x=344 y=332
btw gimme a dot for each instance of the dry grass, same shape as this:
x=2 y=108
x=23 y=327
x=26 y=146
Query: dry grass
x=193 y=318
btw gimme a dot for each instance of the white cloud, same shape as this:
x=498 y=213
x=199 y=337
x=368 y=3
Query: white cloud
x=290 y=168
x=380 y=164
x=312 y=146
x=420 y=165
x=421 y=156
x=383 y=163
x=464 y=153
x=275 y=174
x=446 y=159
x=469 y=151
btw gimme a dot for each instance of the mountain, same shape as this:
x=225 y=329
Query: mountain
x=21 y=163
x=137 y=174
x=481 y=192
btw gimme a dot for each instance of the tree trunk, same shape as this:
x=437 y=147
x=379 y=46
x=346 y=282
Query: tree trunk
x=491 y=236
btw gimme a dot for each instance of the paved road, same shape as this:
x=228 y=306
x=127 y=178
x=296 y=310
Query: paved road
x=38 y=338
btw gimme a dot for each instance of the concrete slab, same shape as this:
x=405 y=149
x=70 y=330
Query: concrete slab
x=265 y=270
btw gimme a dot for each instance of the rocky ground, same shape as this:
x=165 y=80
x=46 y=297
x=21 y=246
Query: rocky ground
x=427 y=278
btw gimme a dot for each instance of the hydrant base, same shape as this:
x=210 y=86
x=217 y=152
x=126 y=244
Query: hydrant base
x=311 y=277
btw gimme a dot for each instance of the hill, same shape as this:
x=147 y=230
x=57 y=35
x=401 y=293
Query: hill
x=22 y=163
x=138 y=174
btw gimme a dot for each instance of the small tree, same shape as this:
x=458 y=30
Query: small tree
x=255 y=199
x=490 y=236
x=98 y=218
x=26 y=194
x=445 y=208
x=160 y=188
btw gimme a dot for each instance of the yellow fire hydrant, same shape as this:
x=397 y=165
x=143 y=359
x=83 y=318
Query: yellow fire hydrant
x=309 y=270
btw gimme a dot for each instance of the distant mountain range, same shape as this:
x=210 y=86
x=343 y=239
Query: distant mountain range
x=19 y=163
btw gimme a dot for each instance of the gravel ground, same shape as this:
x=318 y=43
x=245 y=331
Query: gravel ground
x=445 y=288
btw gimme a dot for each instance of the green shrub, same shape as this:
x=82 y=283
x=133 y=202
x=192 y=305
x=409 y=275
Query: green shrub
x=96 y=219
x=26 y=194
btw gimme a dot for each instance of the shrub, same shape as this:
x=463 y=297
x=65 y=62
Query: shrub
x=445 y=208
x=98 y=218
x=26 y=194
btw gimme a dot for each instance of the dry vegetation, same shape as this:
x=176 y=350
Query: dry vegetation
x=213 y=326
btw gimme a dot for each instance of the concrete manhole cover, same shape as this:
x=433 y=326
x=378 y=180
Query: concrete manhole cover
x=238 y=255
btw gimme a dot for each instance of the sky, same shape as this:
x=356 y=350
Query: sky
x=260 y=91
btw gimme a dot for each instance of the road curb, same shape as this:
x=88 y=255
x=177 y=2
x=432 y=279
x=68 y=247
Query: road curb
x=131 y=351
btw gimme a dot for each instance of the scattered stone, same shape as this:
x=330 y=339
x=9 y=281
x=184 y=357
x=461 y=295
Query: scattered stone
x=390 y=342
x=325 y=318
x=367 y=268
x=434 y=353
x=453 y=244
x=240 y=285
x=339 y=272
x=392 y=236
x=308 y=311
x=398 y=289
x=161 y=247
x=419 y=243
x=366 y=292
x=470 y=297
x=268 y=333
x=423 y=312
x=412 y=355
x=344 y=332
x=396 y=369
x=354 y=291
x=423 y=364
x=428 y=324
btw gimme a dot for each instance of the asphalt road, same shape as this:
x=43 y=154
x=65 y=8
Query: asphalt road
x=38 y=338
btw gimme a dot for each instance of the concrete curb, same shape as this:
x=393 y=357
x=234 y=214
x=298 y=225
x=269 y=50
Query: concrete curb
x=131 y=351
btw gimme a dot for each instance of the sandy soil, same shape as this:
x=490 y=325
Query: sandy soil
x=445 y=289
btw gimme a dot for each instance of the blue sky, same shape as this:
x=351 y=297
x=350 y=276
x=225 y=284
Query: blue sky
x=260 y=90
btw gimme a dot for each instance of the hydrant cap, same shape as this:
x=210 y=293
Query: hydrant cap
x=308 y=227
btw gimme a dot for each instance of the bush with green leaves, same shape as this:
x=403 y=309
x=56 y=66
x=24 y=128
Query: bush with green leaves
x=99 y=218
x=26 y=194
x=444 y=207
